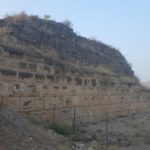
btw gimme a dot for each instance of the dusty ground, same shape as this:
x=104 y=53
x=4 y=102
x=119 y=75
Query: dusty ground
x=124 y=133
x=17 y=133
x=131 y=132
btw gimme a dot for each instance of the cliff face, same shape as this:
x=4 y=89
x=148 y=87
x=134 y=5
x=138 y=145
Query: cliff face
x=45 y=66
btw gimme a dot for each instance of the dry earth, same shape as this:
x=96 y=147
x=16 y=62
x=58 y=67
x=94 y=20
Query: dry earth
x=129 y=132
x=146 y=84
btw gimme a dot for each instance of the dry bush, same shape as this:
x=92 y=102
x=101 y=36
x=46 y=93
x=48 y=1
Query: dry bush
x=16 y=17
x=47 y=17
x=4 y=30
x=68 y=23
x=53 y=54
x=22 y=16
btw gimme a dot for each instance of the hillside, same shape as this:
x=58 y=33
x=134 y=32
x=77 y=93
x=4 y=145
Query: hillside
x=146 y=84
x=52 y=77
x=17 y=132
x=56 y=43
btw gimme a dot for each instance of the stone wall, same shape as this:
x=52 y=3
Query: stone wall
x=29 y=85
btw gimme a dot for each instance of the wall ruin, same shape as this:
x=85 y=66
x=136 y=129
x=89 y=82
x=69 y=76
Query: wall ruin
x=29 y=85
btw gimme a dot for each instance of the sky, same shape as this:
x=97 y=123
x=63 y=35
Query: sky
x=123 y=24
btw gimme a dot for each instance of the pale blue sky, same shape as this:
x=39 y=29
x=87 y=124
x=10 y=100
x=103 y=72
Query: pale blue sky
x=124 y=24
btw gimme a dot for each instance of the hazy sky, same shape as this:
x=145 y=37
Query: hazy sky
x=124 y=24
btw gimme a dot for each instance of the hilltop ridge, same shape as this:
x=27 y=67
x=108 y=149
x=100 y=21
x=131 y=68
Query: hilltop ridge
x=57 y=43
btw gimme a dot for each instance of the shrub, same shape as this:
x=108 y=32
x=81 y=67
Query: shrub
x=67 y=23
x=53 y=54
x=4 y=30
x=47 y=17
x=20 y=17
x=60 y=129
x=16 y=18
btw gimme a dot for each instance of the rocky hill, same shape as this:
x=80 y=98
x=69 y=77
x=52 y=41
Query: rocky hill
x=50 y=72
x=56 y=43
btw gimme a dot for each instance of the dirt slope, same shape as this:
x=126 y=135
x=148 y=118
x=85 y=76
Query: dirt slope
x=146 y=84
x=17 y=133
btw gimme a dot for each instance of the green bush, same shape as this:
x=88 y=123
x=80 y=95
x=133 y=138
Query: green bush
x=60 y=129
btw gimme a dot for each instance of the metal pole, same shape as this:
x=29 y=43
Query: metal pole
x=44 y=103
x=106 y=131
x=74 y=119
x=20 y=104
x=54 y=109
x=2 y=100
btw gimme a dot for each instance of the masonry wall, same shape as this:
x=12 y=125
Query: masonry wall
x=29 y=85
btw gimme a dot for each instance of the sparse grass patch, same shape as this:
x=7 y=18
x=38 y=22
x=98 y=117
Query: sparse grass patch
x=58 y=128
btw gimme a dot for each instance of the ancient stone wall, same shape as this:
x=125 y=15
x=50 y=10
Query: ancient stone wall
x=29 y=85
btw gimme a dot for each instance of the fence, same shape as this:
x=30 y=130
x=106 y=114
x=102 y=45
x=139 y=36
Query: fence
x=44 y=105
x=74 y=116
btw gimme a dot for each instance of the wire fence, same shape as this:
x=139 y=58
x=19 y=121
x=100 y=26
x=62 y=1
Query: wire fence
x=75 y=116
x=44 y=104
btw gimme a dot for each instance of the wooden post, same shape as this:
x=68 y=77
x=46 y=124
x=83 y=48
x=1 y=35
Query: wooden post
x=106 y=131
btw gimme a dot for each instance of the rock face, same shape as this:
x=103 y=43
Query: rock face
x=48 y=70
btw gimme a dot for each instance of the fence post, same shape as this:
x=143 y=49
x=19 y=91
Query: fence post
x=20 y=104
x=106 y=131
x=44 y=104
x=2 y=100
x=35 y=107
x=74 y=120
x=54 y=109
